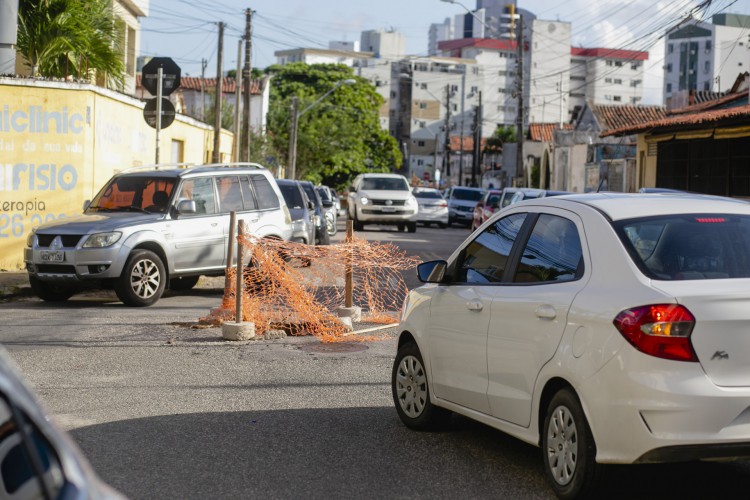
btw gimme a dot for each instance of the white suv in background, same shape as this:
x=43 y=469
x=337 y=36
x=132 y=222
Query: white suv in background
x=382 y=199
x=151 y=229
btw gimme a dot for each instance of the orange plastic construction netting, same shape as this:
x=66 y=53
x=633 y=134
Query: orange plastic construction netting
x=298 y=288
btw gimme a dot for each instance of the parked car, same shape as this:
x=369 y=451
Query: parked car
x=531 y=193
x=488 y=205
x=37 y=458
x=382 y=199
x=604 y=328
x=148 y=229
x=461 y=203
x=432 y=206
x=321 y=231
x=330 y=202
x=301 y=209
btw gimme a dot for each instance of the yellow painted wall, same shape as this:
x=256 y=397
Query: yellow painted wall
x=59 y=143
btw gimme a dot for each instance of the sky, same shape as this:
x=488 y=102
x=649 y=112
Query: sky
x=186 y=30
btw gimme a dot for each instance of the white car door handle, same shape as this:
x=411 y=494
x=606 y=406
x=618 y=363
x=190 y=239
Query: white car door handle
x=546 y=311
x=474 y=305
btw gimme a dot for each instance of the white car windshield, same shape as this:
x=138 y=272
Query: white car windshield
x=385 y=184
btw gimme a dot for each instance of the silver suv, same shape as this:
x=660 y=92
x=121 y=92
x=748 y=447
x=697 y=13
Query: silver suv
x=151 y=229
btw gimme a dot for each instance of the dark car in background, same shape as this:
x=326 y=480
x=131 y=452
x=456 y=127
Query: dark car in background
x=321 y=231
x=461 y=203
x=301 y=209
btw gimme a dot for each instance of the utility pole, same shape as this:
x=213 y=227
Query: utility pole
x=463 y=99
x=237 y=99
x=293 y=140
x=204 y=63
x=216 y=156
x=476 y=159
x=519 y=87
x=246 y=82
x=561 y=101
x=447 y=155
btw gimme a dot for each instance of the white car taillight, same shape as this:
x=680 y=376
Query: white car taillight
x=661 y=330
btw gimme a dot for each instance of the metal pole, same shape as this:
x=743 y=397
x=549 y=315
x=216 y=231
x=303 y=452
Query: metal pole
x=238 y=288
x=237 y=98
x=348 y=270
x=159 y=81
x=216 y=156
x=520 y=115
x=293 y=140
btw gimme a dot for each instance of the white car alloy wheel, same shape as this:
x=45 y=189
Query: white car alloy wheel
x=562 y=445
x=411 y=386
x=145 y=278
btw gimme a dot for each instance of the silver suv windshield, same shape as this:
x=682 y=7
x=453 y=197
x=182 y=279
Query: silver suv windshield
x=134 y=194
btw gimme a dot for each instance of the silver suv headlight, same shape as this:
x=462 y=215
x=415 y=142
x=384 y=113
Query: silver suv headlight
x=30 y=238
x=102 y=240
x=364 y=200
x=411 y=202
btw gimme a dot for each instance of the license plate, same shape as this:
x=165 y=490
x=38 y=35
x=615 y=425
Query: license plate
x=389 y=209
x=53 y=255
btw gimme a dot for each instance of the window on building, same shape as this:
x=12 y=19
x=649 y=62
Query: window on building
x=423 y=86
x=617 y=98
x=607 y=97
x=420 y=162
x=420 y=144
x=708 y=45
x=669 y=87
x=635 y=66
x=707 y=66
x=706 y=86
x=618 y=63
x=618 y=81
x=422 y=105
x=610 y=63
x=670 y=48
x=669 y=68
x=635 y=100
x=454 y=88
x=474 y=88
x=501 y=91
x=607 y=80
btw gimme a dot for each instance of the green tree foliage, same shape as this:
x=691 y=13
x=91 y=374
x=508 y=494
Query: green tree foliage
x=227 y=114
x=494 y=144
x=339 y=137
x=78 y=38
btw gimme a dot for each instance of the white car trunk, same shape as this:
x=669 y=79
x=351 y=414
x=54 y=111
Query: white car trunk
x=721 y=337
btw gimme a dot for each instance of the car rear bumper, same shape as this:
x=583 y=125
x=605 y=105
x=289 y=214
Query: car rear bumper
x=662 y=411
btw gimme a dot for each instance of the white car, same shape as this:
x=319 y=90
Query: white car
x=382 y=199
x=432 y=206
x=604 y=328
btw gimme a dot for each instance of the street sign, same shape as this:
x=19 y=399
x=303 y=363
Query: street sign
x=167 y=112
x=170 y=75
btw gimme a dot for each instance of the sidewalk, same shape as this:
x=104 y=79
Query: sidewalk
x=14 y=284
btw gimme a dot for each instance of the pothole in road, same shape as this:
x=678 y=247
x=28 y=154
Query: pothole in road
x=334 y=347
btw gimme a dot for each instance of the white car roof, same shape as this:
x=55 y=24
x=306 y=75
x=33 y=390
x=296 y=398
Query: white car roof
x=619 y=206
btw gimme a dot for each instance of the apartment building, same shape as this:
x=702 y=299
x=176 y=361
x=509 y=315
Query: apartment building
x=605 y=76
x=702 y=56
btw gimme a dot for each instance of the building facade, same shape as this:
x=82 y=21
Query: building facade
x=703 y=56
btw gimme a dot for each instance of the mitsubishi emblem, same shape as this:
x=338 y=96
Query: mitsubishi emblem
x=388 y=202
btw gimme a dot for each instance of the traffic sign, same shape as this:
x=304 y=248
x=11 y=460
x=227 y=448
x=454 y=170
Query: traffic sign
x=167 y=112
x=170 y=75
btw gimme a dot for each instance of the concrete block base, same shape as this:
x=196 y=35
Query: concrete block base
x=354 y=312
x=231 y=330
x=347 y=322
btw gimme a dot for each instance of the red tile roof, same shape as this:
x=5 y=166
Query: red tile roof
x=545 y=132
x=194 y=83
x=468 y=143
x=706 y=105
x=702 y=118
x=615 y=117
x=630 y=55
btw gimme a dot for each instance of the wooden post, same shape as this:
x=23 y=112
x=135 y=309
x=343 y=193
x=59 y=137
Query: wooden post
x=349 y=281
x=230 y=248
x=238 y=289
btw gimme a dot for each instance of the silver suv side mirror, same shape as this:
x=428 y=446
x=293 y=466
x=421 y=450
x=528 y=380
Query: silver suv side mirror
x=186 y=207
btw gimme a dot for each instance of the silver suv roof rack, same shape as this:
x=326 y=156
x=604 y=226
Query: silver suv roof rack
x=157 y=166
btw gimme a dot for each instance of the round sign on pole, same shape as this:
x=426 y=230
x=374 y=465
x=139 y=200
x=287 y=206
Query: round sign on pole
x=170 y=75
x=167 y=112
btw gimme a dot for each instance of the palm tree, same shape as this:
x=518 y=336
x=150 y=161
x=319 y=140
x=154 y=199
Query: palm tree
x=62 y=38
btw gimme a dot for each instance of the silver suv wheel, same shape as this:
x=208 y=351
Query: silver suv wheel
x=142 y=280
